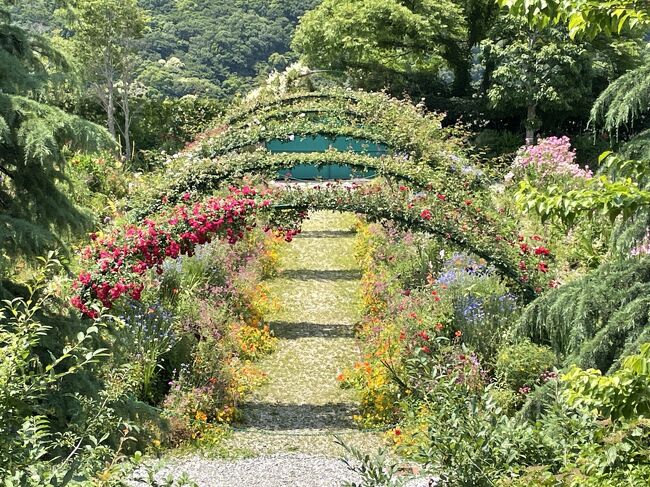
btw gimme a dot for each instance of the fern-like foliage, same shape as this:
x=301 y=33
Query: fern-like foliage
x=638 y=147
x=596 y=319
x=624 y=100
x=35 y=212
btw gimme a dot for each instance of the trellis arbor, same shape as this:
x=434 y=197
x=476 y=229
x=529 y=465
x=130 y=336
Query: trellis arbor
x=427 y=185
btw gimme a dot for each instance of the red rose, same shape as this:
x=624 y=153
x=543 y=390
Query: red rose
x=542 y=251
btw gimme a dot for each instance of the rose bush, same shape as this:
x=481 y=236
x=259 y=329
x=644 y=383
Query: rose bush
x=118 y=261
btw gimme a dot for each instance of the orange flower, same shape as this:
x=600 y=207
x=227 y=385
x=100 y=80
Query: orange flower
x=458 y=334
x=201 y=416
x=439 y=326
x=340 y=377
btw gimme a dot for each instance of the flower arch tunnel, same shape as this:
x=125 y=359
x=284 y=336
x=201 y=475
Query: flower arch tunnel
x=427 y=186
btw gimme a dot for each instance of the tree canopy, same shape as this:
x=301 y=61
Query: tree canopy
x=34 y=138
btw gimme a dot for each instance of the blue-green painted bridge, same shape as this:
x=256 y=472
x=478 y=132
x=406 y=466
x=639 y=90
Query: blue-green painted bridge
x=323 y=144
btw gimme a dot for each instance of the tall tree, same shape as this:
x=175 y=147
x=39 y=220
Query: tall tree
x=553 y=72
x=392 y=36
x=535 y=69
x=105 y=35
x=34 y=137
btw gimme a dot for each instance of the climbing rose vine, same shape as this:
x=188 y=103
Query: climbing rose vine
x=462 y=222
x=117 y=262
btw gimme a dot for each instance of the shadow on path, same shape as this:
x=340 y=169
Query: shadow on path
x=321 y=275
x=276 y=417
x=294 y=330
x=326 y=233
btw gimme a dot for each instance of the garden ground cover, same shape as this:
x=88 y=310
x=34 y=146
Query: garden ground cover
x=302 y=404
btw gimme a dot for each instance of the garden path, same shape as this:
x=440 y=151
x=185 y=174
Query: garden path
x=286 y=434
x=302 y=404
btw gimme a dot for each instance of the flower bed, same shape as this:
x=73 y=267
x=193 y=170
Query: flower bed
x=118 y=262
x=460 y=390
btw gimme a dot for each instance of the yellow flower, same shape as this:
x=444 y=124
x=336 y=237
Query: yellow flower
x=201 y=416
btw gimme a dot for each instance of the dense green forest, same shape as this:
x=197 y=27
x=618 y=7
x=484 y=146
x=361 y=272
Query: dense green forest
x=202 y=47
x=490 y=256
x=210 y=50
x=465 y=58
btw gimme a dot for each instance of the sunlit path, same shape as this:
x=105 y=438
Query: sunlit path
x=286 y=433
x=302 y=404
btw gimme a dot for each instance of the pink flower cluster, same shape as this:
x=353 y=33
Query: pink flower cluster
x=551 y=156
x=119 y=261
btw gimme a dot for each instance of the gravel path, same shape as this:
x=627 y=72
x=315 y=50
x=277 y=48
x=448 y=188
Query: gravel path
x=286 y=436
x=280 y=470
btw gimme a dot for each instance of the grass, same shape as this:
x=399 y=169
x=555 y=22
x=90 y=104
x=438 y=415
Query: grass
x=301 y=406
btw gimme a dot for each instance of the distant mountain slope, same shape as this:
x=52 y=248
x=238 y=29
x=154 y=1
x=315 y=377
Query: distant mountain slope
x=211 y=47
x=216 y=46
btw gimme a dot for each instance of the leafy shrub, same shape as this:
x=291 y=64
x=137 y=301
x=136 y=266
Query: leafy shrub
x=624 y=394
x=497 y=143
x=374 y=470
x=522 y=364
x=505 y=399
x=469 y=438
x=168 y=124
x=32 y=451
x=98 y=183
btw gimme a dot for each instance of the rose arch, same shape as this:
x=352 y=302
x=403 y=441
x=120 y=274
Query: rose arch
x=426 y=186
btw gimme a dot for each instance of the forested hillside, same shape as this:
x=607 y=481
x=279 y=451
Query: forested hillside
x=217 y=48
x=200 y=47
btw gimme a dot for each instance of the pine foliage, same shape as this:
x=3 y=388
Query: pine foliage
x=628 y=234
x=596 y=319
x=638 y=147
x=625 y=99
x=34 y=139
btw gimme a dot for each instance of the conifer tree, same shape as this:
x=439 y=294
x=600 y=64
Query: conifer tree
x=34 y=140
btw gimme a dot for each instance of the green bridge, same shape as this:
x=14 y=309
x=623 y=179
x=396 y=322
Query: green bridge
x=323 y=144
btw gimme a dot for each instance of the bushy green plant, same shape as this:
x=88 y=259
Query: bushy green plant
x=469 y=438
x=32 y=452
x=624 y=394
x=501 y=144
x=523 y=363
x=374 y=469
